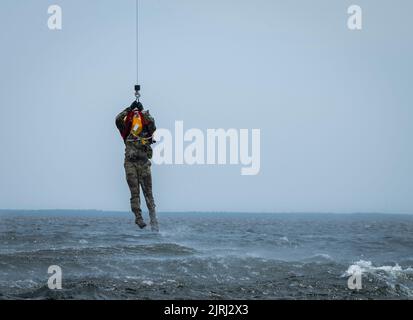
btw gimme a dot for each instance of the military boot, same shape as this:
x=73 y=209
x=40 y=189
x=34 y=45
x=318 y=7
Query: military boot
x=139 y=221
x=154 y=221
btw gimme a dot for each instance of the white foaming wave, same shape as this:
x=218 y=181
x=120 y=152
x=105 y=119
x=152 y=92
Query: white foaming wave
x=148 y=282
x=363 y=266
x=179 y=231
x=391 y=275
x=325 y=256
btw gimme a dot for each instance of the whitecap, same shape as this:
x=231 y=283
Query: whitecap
x=147 y=282
x=363 y=266
x=391 y=275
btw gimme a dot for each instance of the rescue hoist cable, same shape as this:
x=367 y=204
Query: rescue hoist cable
x=137 y=87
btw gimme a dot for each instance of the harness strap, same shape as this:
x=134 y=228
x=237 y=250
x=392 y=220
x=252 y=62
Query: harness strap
x=144 y=122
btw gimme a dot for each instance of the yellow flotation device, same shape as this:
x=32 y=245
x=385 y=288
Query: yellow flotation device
x=137 y=126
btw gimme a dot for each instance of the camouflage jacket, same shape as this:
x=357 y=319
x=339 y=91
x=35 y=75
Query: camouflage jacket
x=135 y=150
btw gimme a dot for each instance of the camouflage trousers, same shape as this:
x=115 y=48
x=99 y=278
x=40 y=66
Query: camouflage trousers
x=139 y=175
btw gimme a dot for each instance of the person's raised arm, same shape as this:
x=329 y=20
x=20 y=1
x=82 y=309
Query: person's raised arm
x=120 y=120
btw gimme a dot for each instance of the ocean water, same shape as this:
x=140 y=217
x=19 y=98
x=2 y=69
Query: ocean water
x=206 y=256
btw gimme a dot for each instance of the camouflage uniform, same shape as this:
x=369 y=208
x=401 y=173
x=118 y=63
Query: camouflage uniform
x=138 y=174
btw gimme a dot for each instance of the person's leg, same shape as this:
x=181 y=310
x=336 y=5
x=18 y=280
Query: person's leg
x=132 y=177
x=145 y=179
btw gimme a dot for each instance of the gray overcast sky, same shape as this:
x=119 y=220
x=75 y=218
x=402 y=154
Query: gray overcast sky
x=334 y=106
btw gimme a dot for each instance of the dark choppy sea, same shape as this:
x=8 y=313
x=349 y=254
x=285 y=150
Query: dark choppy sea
x=206 y=256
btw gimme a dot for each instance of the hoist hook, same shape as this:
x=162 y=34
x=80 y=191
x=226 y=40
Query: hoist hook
x=137 y=92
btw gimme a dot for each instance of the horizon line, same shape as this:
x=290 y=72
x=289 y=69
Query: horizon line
x=200 y=212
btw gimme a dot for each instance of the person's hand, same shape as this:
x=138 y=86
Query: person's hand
x=136 y=105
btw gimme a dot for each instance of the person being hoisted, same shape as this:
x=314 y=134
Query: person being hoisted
x=137 y=127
